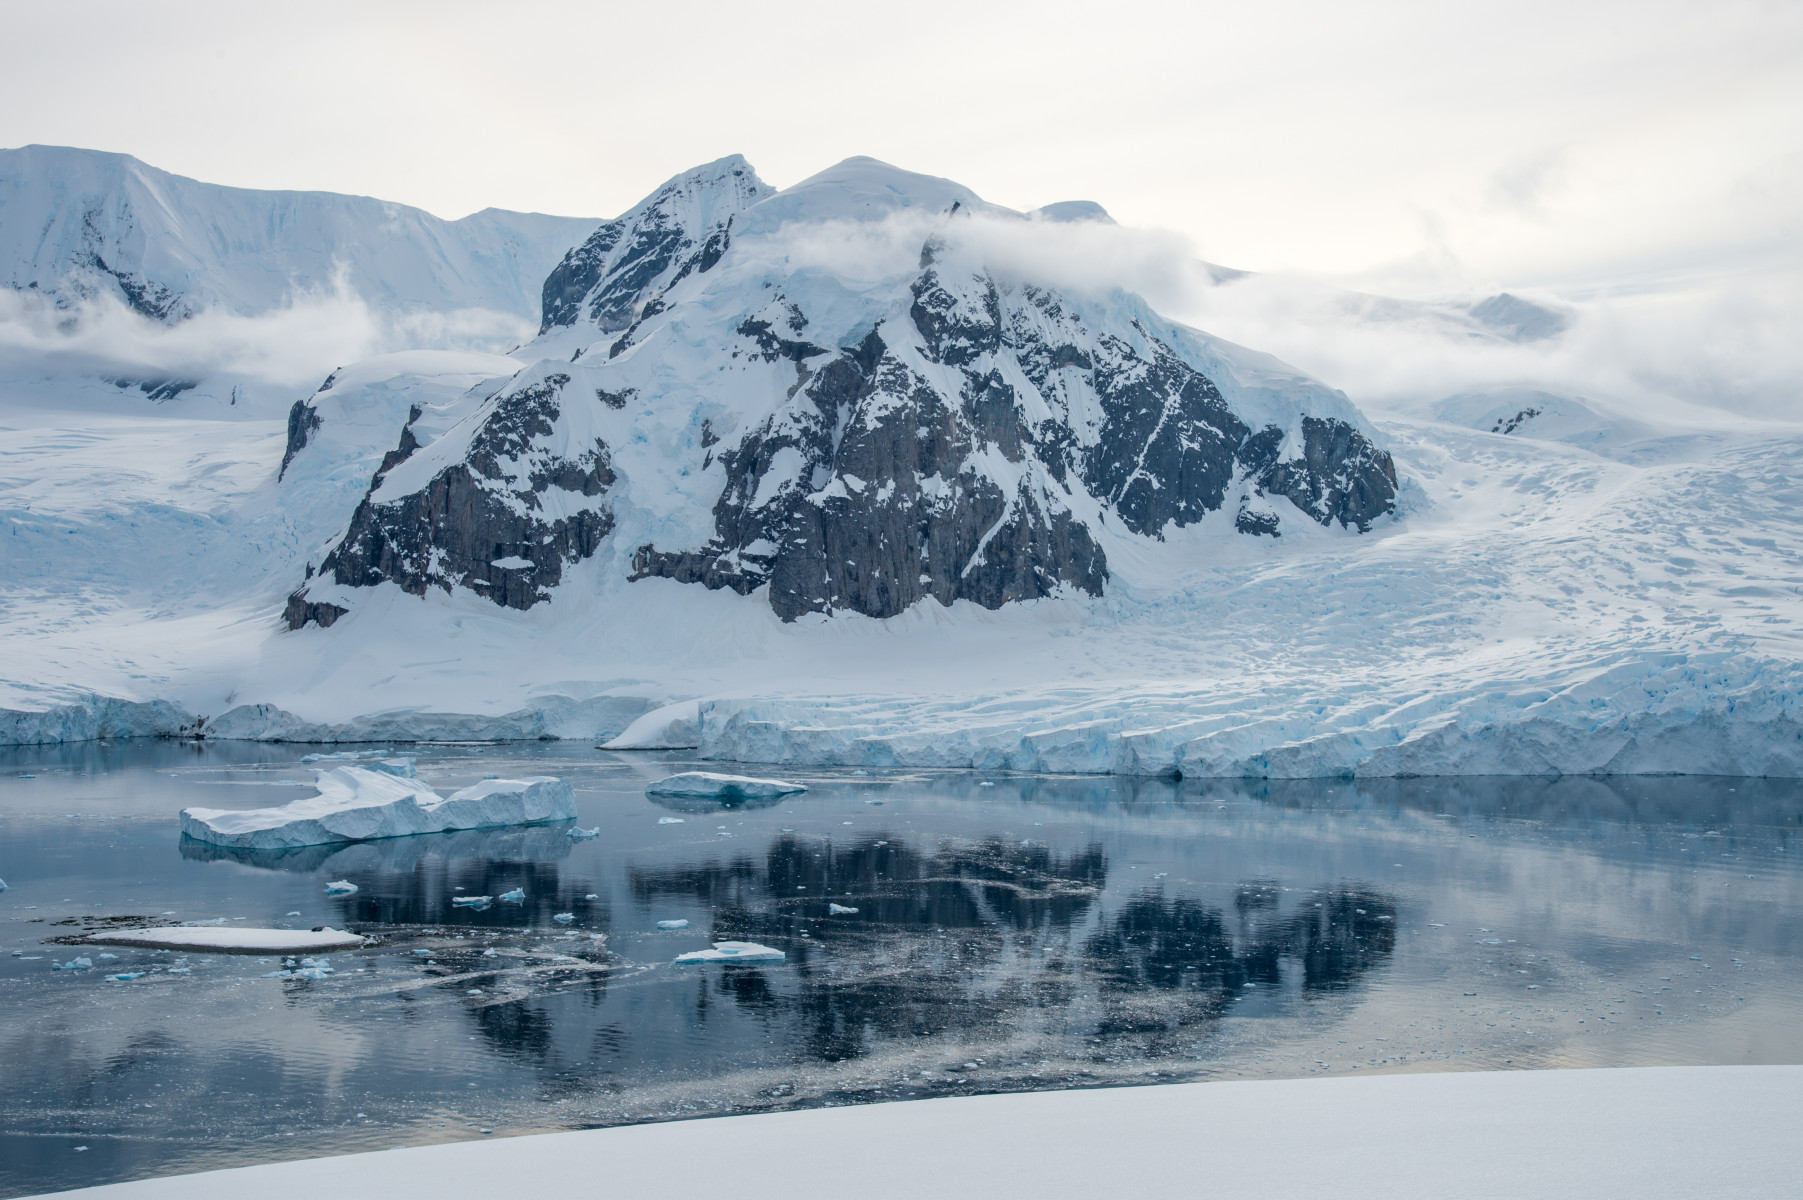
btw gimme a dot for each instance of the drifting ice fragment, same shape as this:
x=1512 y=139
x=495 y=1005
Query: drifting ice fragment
x=357 y=804
x=730 y=952
x=126 y=976
x=340 y=887
x=707 y=785
x=677 y=924
x=399 y=767
x=516 y=896
x=74 y=964
x=579 y=834
x=566 y=918
x=476 y=902
x=669 y=820
x=238 y=940
x=839 y=910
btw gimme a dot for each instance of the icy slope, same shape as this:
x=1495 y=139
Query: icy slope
x=77 y=223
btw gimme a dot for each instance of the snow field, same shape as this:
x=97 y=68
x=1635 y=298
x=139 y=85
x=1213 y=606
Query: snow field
x=1602 y=1134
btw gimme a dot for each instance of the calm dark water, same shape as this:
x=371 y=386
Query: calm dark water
x=1010 y=933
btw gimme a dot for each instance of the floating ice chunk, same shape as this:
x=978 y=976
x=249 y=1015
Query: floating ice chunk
x=679 y=923
x=578 y=834
x=357 y=804
x=75 y=964
x=126 y=976
x=239 y=940
x=2 y=885
x=400 y=767
x=566 y=918
x=669 y=820
x=708 y=785
x=731 y=952
x=422 y=954
x=516 y=896
x=340 y=887
x=840 y=910
x=476 y=902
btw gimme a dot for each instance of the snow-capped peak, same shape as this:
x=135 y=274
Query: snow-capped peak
x=682 y=228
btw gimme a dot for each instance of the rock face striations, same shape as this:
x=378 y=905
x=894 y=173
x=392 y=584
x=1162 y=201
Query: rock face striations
x=829 y=395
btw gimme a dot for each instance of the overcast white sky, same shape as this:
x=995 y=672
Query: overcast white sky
x=1401 y=143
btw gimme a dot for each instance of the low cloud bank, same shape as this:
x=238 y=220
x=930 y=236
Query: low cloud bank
x=1693 y=352
x=289 y=346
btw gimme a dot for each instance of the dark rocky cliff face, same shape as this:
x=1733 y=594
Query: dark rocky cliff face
x=863 y=495
x=683 y=228
x=480 y=522
x=977 y=443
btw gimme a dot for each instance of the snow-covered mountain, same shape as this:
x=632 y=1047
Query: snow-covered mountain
x=709 y=411
x=76 y=224
x=868 y=471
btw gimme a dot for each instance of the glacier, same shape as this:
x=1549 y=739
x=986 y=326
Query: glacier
x=356 y=804
x=1559 y=583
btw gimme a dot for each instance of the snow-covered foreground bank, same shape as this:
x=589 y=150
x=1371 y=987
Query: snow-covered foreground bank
x=1658 y=1131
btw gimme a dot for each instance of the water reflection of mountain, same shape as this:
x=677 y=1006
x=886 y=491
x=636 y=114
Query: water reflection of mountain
x=1773 y=807
x=996 y=941
x=412 y=880
x=535 y=842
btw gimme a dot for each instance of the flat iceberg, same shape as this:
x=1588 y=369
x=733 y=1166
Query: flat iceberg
x=476 y=902
x=839 y=910
x=679 y=923
x=578 y=834
x=733 y=952
x=339 y=887
x=516 y=896
x=237 y=939
x=708 y=785
x=357 y=804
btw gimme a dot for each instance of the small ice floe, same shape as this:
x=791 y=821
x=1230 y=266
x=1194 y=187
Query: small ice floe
x=239 y=940
x=422 y=954
x=341 y=887
x=566 y=918
x=679 y=923
x=733 y=952
x=357 y=804
x=296 y=913
x=307 y=968
x=476 y=902
x=105 y=957
x=516 y=896
x=578 y=834
x=75 y=964
x=708 y=785
x=669 y=820
x=126 y=976
x=840 y=910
